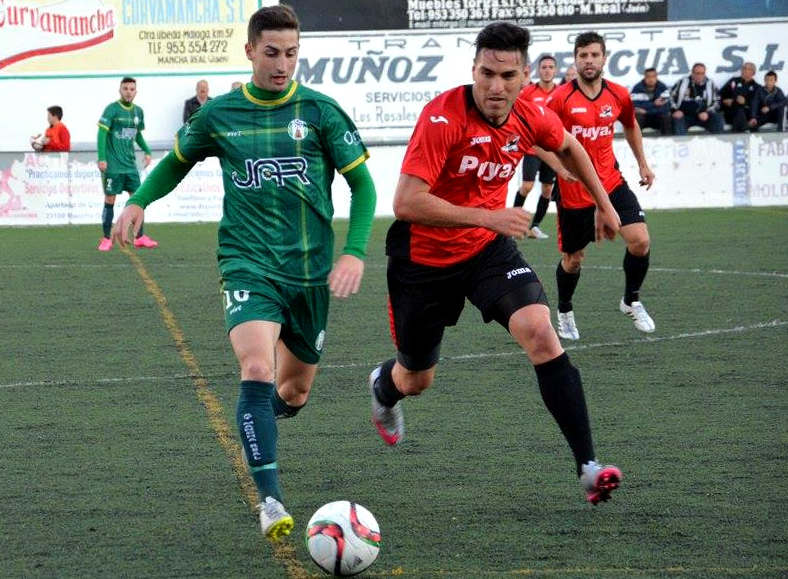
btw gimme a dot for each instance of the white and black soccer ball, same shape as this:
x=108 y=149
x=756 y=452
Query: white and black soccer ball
x=343 y=538
x=37 y=142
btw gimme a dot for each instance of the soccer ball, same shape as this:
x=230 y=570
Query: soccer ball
x=37 y=142
x=343 y=538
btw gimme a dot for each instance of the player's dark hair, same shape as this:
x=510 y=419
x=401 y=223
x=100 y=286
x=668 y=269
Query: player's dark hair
x=279 y=17
x=56 y=111
x=648 y=70
x=587 y=38
x=698 y=64
x=771 y=73
x=546 y=57
x=504 y=36
x=126 y=79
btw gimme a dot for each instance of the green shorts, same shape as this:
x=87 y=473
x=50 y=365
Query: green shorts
x=302 y=312
x=117 y=183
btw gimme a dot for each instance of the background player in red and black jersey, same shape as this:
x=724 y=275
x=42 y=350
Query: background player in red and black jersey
x=589 y=106
x=539 y=93
x=452 y=242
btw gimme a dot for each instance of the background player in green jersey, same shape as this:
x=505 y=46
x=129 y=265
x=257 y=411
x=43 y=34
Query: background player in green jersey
x=120 y=126
x=279 y=145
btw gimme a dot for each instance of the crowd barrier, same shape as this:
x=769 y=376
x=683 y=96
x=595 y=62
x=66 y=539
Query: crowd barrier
x=696 y=171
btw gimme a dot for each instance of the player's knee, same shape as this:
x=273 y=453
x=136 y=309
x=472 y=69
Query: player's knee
x=295 y=392
x=257 y=370
x=639 y=246
x=537 y=337
x=572 y=262
x=414 y=383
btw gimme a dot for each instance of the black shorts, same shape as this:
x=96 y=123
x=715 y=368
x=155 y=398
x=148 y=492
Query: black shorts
x=533 y=165
x=576 y=226
x=424 y=300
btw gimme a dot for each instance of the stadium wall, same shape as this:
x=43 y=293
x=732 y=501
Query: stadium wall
x=692 y=172
x=381 y=78
x=73 y=53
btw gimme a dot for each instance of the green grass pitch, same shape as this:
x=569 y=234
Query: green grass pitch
x=118 y=445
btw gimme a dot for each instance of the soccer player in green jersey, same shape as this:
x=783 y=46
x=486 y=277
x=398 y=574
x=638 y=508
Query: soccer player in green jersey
x=279 y=145
x=120 y=126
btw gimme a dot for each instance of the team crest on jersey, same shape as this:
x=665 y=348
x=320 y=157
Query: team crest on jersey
x=297 y=129
x=511 y=144
x=136 y=120
x=606 y=112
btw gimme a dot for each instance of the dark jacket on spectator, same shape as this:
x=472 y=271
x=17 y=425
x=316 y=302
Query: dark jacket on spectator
x=191 y=106
x=774 y=100
x=643 y=98
x=737 y=86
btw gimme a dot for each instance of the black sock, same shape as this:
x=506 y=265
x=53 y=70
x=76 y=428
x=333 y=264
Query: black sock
x=541 y=211
x=106 y=218
x=567 y=283
x=562 y=392
x=385 y=390
x=635 y=269
x=519 y=200
x=281 y=408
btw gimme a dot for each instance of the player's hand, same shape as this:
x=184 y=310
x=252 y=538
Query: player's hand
x=607 y=223
x=740 y=99
x=511 y=222
x=345 y=277
x=131 y=217
x=146 y=160
x=567 y=175
x=703 y=116
x=102 y=165
x=679 y=114
x=646 y=177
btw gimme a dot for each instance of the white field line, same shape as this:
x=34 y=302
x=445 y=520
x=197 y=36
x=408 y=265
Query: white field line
x=212 y=265
x=645 y=340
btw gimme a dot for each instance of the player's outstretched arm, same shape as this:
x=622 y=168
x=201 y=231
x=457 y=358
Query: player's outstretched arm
x=163 y=179
x=130 y=219
x=635 y=140
x=554 y=162
x=414 y=203
x=345 y=277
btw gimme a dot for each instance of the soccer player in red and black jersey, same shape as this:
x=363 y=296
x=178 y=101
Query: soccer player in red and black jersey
x=588 y=107
x=452 y=240
x=538 y=93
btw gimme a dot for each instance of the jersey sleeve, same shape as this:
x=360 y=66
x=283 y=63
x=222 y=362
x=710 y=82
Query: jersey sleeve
x=554 y=103
x=105 y=120
x=627 y=116
x=429 y=146
x=550 y=131
x=341 y=138
x=193 y=141
x=141 y=124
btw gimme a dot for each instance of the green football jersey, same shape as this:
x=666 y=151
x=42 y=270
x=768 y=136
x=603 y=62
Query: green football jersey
x=278 y=160
x=122 y=123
